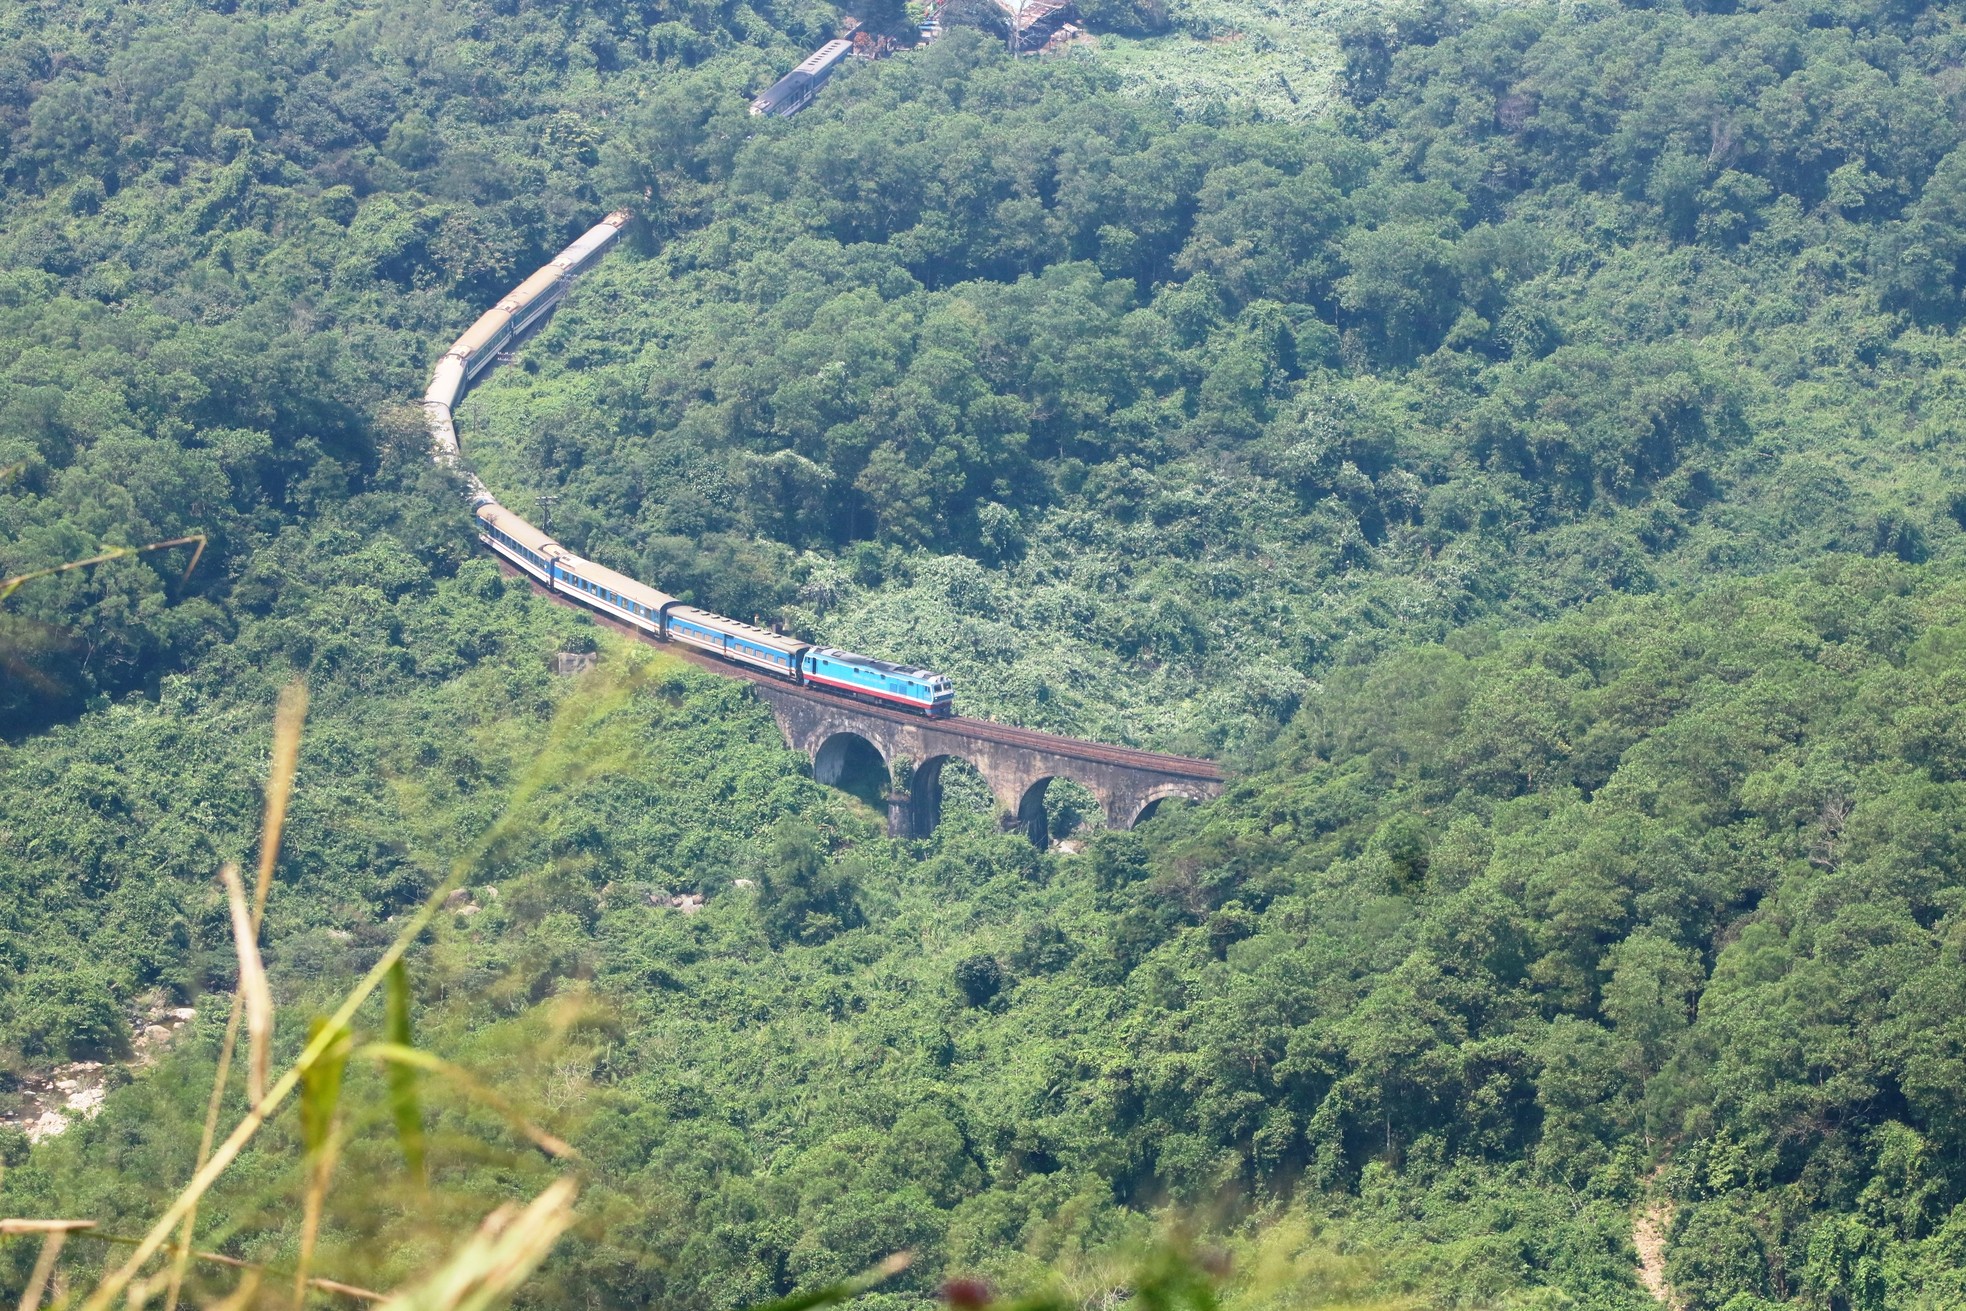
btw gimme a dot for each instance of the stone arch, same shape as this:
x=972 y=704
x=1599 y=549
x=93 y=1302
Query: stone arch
x=1143 y=806
x=924 y=804
x=846 y=759
x=916 y=806
x=1029 y=814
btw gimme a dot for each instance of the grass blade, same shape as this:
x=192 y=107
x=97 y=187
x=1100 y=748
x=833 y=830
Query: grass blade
x=241 y=1297
x=320 y=1098
x=506 y=1249
x=12 y=584
x=14 y=1228
x=412 y=1058
x=288 y=717
x=320 y=1089
x=44 y=1266
x=401 y=1076
x=252 y=986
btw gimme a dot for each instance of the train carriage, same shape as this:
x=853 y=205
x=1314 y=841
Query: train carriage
x=734 y=640
x=532 y=298
x=591 y=243
x=445 y=383
x=518 y=541
x=612 y=593
x=482 y=341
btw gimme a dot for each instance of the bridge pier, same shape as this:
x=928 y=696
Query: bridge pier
x=1029 y=815
x=1016 y=764
x=913 y=814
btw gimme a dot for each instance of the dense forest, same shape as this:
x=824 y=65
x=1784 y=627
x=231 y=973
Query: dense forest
x=1535 y=473
x=1139 y=422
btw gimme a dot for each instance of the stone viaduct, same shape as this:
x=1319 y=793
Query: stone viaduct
x=1017 y=764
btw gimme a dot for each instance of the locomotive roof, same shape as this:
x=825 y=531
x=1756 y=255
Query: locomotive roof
x=884 y=666
x=738 y=628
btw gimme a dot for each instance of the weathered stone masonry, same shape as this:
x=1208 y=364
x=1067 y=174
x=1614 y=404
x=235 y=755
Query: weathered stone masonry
x=1126 y=783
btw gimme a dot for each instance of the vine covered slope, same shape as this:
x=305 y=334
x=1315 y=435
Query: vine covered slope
x=1535 y=469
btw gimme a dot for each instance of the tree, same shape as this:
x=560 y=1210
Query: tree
x=978 y=979
x=803 y=898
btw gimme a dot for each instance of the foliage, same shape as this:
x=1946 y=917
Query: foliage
x=1536 y=473
x=1137 y=423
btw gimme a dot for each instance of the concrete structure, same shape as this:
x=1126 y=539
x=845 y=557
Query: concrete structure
x=1017 y=764
x=1033 y=23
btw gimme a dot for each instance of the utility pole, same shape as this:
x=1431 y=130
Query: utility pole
x=546 y=500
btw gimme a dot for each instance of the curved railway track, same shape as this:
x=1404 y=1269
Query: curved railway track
x=984 y=730
x=634 y=608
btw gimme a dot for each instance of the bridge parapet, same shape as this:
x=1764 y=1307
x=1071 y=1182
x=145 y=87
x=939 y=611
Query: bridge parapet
x=1016 y=764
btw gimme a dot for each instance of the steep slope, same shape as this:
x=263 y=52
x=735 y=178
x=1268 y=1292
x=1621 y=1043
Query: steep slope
x=1539 y=476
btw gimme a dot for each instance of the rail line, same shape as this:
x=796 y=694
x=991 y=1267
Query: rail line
x=525 y=551
x=983 y=730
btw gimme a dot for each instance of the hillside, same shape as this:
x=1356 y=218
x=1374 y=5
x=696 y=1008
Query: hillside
x=1533 y=467
x=1136 y=424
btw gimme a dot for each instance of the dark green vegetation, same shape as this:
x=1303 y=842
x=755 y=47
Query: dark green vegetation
x=231 y=241
x=1497 y=926
x=1135 y=424
x=1540 y=477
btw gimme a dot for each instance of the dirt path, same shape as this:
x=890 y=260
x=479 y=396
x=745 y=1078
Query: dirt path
x=1649 y=1229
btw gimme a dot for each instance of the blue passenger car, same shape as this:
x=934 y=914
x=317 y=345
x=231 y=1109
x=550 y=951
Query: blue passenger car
x=733 y=640
x=920 y=690
x=613 y=594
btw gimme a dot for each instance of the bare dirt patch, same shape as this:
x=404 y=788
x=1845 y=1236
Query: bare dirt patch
x=52 y=1100
x=1649 y=1229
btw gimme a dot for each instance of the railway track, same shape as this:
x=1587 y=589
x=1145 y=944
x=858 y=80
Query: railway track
x=754 y=654
x=986 y=730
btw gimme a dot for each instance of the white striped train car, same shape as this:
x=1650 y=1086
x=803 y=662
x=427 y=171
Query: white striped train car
x=590 y=245
x=438 y=401
x=747 y=644
x=517 y=540
x=614 y=594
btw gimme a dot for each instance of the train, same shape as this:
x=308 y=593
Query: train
x=626 y=600
x=793 y=92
